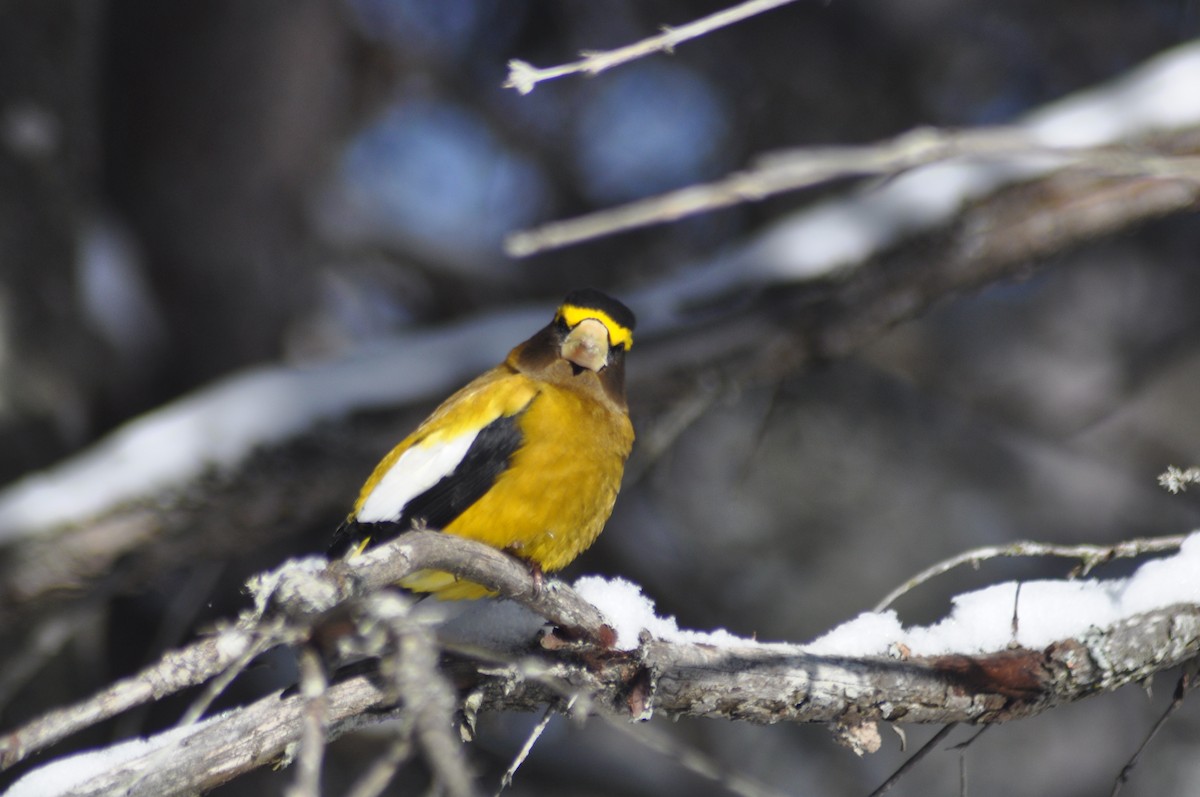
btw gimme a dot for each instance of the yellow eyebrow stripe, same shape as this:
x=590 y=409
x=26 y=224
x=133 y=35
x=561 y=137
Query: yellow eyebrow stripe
x=617 y=334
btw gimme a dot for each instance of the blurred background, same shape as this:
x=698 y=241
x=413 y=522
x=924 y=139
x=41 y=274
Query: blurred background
x=193 y=188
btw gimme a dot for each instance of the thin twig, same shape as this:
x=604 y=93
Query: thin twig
x=794 y=170
x=777 y=173
x=224 y=678
x=39 y=647
x=179 y=618
x=961 y=747
x=691 y=758
x=971 y=740
x=428 y=696
x=668 y=427
x=313 y=686
x=524 y=77
x=1090 y=556
x=527 y=748
x=1181 y=690
x=887 y=785
x=380 y=773
x=1015 y=626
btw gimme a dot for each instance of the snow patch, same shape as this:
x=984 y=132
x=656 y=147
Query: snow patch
x=629 y=612
x=1046 y=612
x=65 y=775
x=979 y=622
x=219 y=426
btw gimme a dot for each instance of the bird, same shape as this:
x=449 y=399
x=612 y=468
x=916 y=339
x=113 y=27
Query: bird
x=527 y=457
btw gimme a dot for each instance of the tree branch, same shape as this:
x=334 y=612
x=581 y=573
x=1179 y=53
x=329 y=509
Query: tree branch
x=1089 y=556
x=762 y=684
x=738 y=680
x=996 y=150
x=524 y=77
x=776 y=684
x=291 y=601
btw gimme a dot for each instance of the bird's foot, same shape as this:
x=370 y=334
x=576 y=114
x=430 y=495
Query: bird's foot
x=539 y=579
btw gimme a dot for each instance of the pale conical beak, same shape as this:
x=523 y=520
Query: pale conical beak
x=587 y=345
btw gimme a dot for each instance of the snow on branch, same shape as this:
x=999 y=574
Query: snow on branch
x=290 y=602
x=1089 y=556
x=1006 y=652
x=1094 y=132
x=524 y=77
x=216 y=427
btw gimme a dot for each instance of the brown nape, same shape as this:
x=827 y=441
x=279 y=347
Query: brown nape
x=537 y=353
x=540 y=356
x=612 y=378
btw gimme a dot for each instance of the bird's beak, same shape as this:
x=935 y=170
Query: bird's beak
x=587 y=345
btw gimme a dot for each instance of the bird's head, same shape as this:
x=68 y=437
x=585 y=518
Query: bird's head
x=596 y=329
x=587 y=339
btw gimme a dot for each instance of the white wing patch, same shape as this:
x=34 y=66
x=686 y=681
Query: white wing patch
x=417 y=469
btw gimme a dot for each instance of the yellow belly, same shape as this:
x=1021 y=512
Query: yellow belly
x=556 y=496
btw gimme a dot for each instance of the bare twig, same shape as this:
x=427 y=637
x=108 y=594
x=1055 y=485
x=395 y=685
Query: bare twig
x=524 y=77
x=773 y=174
x=1023 y=154
x=1016 y=614
x=42 y=644
x=530 y=741
x=1090 y=556
x=962 y=772
x=313 y=688
x=1185 y=684
x=670 y=425
x=693 y=759
x=963 y=745
x=429 y=698
x=222 y=680
x=925 y=750
x=380 y=773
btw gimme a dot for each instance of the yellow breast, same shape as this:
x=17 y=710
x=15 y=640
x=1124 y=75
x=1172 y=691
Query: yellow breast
x=553 y=501
x=558 y=494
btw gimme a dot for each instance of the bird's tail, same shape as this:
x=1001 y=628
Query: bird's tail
x=445 y=586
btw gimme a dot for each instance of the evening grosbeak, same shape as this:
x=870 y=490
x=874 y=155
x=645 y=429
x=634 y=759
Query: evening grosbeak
x=527 y=457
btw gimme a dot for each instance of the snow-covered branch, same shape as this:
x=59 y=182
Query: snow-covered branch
x=1005 y=653
x=291 y=602
x=1089 y=556
x=774 y=685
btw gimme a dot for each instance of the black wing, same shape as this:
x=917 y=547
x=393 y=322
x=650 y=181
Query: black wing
x=490 y=455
